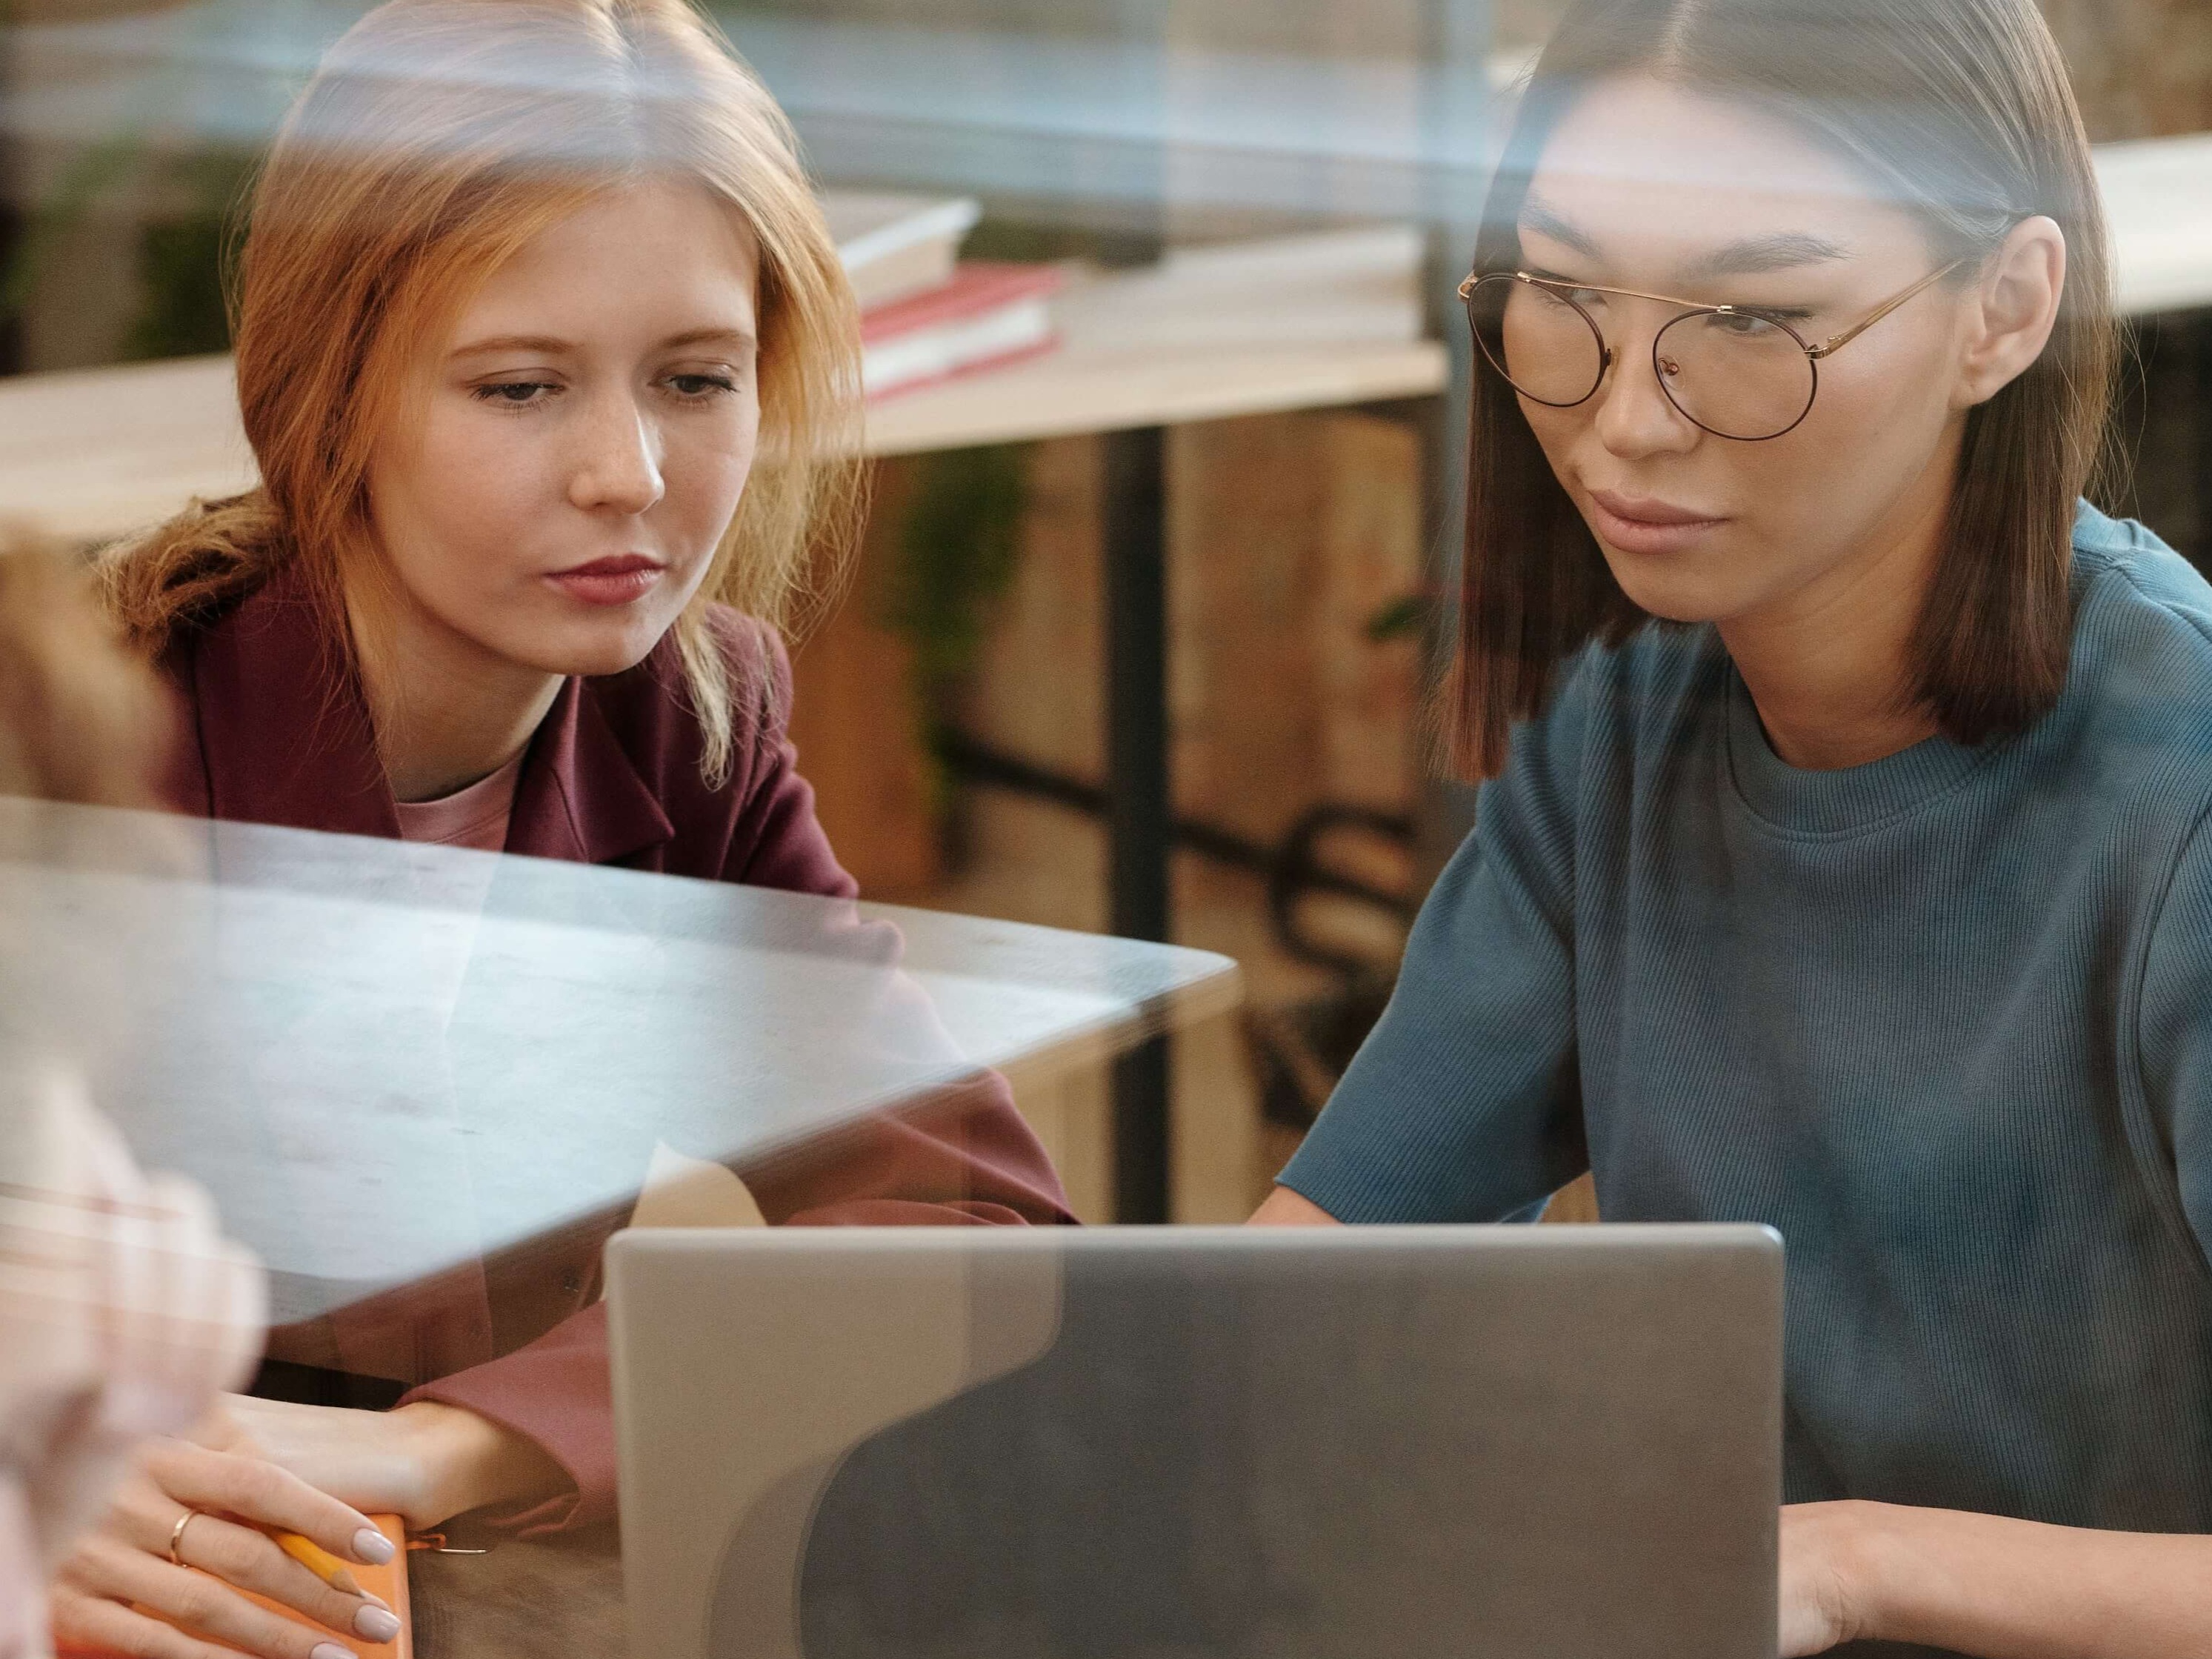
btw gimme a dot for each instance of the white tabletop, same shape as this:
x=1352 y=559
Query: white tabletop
x=1239 y=328
x=388 y=1059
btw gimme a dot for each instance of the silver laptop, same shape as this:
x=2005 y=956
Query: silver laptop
x=1372 y=1442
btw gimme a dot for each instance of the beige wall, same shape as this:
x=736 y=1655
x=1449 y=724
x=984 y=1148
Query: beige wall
x=2143 y=69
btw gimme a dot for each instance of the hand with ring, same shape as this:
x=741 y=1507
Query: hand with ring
x=203 y=1503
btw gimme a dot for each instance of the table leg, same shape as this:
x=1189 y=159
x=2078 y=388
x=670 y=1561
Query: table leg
x=1139 y=817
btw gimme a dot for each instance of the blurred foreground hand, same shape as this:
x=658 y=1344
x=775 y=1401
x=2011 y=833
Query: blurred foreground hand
x=123 y=1312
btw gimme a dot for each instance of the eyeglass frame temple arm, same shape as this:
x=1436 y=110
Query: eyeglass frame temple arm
x=1836 y=343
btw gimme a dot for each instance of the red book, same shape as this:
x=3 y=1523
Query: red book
x=989 y=314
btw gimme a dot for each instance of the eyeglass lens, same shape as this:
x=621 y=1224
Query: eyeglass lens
x=1737 y=376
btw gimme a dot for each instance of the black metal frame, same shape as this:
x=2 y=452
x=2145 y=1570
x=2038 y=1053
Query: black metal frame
x=1138 y=814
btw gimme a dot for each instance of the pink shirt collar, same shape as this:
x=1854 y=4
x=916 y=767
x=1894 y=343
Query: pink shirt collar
x=476 y=816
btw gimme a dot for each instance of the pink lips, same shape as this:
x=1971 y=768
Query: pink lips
x=611 y=581
x=1639 y=523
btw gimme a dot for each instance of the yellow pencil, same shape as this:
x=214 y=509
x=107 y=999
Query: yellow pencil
x=318 y=1561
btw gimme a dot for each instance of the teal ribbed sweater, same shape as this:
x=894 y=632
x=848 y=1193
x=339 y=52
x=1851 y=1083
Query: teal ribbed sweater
x=1944 y=1020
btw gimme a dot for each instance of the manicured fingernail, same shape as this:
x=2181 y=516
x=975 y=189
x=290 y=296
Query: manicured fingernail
x=372 y=1546
x=375 y=1623
x=329 y=1651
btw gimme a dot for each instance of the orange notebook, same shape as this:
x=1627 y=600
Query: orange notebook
x=388 y=1581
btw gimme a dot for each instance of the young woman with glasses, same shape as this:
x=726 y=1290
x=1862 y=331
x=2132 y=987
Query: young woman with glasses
x=1840 y=861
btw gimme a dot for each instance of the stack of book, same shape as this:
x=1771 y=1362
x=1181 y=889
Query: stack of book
x=926 y=316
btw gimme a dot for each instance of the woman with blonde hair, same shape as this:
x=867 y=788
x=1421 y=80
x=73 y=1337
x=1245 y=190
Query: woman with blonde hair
x=550 y=368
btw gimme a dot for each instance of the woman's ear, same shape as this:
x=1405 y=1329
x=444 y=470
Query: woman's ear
x=2013 y=309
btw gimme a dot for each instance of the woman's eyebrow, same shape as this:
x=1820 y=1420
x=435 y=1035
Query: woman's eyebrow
x=1751 y=255
x=738 y=338
x=553 y=345
x=1535 y=216
x=548 y=343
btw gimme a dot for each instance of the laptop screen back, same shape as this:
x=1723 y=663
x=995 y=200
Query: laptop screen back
x=1170 y=1443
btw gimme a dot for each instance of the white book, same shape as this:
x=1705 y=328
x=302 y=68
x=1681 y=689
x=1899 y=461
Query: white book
x=896 y=247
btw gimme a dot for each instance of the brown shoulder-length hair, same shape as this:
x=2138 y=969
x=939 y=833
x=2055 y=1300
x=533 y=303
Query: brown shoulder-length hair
x=1960 y=110
x=436 y=138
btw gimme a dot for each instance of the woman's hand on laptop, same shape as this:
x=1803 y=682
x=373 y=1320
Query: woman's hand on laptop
x=425 y=1463
x=224 y=1492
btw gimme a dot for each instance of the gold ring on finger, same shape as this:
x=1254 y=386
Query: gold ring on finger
x=177 y=1536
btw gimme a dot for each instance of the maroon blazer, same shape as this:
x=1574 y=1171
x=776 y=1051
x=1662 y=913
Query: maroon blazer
x=276 y=731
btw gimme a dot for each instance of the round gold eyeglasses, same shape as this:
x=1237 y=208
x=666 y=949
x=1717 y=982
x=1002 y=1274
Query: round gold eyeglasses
x=1736 y=371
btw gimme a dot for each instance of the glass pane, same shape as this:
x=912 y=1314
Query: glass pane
x=1743 y=377
x=1551 y=351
